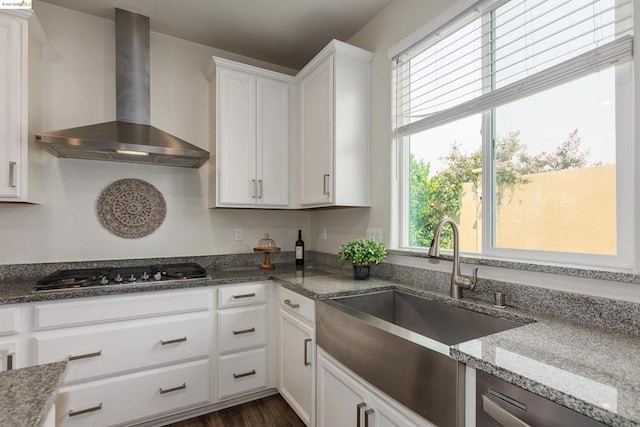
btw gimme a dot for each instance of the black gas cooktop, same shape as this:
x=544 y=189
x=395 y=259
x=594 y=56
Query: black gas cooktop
x=97 y=277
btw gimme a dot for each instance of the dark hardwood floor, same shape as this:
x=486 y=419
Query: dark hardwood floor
x=271 y=411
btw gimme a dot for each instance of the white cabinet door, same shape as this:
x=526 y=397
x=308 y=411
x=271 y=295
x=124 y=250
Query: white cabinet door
x=296 y=361
x=344 y=399
x=252 y=137
x=236 y=138
x=341 y=400
x=11 y=106
x=272 y=169
x=316 y=135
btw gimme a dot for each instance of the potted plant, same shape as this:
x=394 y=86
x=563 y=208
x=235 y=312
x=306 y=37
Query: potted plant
x=362 y=253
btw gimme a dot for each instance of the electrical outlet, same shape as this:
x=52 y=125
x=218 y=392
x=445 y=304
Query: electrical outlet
x=374 y=233
x=237 y=234
x=323 y=233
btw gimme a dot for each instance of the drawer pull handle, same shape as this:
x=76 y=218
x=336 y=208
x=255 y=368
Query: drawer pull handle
x=291 y=304
x=175 y=341
x=9 y=362
x=306 y=351
x=244 y=331
x=169 y=390
x=501 y=415
x=245 y=374
x=367 y=414
x=73 y=413
x=359 y=409
x=252 y=294
x=86 y=356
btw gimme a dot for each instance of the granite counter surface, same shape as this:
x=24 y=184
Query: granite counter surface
x=593 y=371
x=28 y=394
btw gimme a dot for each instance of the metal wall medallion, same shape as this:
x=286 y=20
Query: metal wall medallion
x=131 y=208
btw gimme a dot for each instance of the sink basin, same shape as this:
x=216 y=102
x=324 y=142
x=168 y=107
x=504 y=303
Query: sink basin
x=441 y=322
x=400 y=343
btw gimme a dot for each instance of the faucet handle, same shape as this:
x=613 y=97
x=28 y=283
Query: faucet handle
x=474 y=281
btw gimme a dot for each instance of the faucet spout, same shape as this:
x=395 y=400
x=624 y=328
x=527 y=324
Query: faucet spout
x=458 y=282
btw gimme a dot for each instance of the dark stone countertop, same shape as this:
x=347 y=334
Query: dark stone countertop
x=593 y=371
x=28 y=394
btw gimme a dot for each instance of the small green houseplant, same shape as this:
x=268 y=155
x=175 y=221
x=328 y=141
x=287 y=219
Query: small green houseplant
x=362 y=253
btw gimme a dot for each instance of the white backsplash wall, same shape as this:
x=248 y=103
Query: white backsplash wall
x=79 y=89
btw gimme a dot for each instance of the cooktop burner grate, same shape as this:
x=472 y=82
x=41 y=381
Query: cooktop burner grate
x=95 y=277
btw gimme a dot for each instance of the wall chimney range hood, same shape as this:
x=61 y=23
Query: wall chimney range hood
x=131 y=138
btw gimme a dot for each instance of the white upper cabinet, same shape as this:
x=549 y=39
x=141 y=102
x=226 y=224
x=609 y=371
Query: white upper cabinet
x=251 y=123
x=334 y=128
x=20 y=38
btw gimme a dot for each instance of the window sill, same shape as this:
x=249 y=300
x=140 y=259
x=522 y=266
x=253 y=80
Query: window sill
x=555 y=269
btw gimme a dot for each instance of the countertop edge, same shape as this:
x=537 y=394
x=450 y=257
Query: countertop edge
x=561 y=398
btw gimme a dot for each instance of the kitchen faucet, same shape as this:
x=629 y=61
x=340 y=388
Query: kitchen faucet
x=457 y=281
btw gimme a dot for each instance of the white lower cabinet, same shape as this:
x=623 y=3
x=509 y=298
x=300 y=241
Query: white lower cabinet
x=125 y=398
x=132 y=358
x=9 y=337
x=296 y=353
x=243 y=336
x=344 y=399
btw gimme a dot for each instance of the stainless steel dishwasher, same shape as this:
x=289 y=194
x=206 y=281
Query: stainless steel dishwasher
x=500 y=404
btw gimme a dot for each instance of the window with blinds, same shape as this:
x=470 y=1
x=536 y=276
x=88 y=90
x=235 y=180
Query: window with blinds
x=501 y=51
x=514 y=119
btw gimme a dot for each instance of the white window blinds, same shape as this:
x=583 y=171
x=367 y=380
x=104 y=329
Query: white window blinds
x=500 y=51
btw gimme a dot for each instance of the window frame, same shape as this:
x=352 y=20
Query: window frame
x=625 y=190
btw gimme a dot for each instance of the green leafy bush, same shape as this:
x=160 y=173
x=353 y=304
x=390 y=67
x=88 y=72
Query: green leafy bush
x=363 y=251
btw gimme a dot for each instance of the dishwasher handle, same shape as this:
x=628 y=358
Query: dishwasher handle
x=502 y=416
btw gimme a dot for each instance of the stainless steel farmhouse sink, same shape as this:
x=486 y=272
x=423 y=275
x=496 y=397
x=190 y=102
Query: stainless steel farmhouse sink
x=400 y=343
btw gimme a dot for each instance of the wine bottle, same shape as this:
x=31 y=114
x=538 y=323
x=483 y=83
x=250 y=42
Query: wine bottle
x=299 y=249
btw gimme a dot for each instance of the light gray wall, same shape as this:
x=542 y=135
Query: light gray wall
x=79 y=89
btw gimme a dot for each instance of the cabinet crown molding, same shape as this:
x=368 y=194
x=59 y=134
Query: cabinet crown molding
x=233 y=65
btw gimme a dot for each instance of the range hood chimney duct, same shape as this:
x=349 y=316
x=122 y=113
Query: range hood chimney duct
x=132 y=68
x=131 y=138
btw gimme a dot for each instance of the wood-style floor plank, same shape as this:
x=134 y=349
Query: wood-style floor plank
x=271 y=411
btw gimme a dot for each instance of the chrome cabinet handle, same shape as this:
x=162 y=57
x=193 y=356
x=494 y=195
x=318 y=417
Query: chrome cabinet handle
x=9 y=362
x=86 y=355
x=177 y=340
x=169 y=390
x=245 y=374
x=12 y=174
x=244 y=331
x=254 y=189
x=501 y=415
x=73 y=413
x=291 y=304
x=359 y=410
x=252 y=294
x=306 y=354
x=259 y=189
x=367 y=414
x=325 y=184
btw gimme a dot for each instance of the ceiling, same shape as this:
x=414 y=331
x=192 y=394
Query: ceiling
x=283 y=32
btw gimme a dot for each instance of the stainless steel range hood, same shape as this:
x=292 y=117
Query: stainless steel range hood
x=131 y=138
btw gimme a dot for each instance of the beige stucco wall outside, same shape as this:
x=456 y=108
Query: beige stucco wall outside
x=572 y=210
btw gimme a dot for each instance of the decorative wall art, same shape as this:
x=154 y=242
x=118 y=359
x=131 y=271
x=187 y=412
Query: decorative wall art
x=131 y=208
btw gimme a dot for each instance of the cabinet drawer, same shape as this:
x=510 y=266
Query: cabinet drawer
x=99 y=351
x=127 y=398
x=107 y=309
x=241 y=328
x=245 y=294
x=242 y=372
x=9 y=319
x=297 y=304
